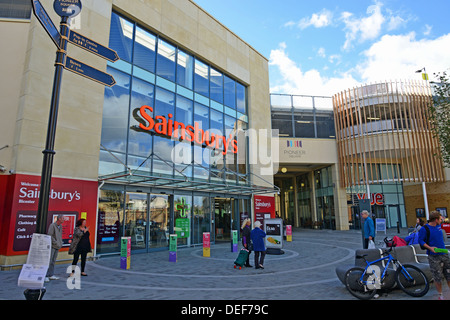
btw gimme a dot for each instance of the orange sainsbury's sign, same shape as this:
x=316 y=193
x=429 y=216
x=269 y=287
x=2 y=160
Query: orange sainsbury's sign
x=177 y=129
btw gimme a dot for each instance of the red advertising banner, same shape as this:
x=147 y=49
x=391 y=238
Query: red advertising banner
x=264 y=208
x=69 y=197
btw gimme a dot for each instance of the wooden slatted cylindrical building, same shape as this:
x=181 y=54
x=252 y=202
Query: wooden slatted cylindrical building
x=384 y=134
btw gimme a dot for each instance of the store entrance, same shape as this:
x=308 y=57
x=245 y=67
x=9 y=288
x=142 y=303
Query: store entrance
x=223 y=218
x=147 y=220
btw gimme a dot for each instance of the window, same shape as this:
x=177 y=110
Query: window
x=216 y=85
x=325 y=125
x=162 y=144
x=282 y=122
x=201 y=79
x=216 y=127
x=115 y=112
x=240 y=98
x=140 y=141
x=229 y=92
x=121 y=37
x=144 y=50
x=304 y=125
x=165 y=64
x=15 y=9
x=185 y=69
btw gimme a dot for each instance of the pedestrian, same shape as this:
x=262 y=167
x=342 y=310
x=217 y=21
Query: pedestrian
x=55 y=232
x=80 y=245
x=439 y=261
x=419 y=224
x=369 y=228
x=257 y=235
x=246 y=239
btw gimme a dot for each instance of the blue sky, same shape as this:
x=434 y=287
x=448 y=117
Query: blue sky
x=322 y=47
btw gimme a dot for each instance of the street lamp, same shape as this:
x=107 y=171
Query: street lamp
x=424 y=189
x=424 y=74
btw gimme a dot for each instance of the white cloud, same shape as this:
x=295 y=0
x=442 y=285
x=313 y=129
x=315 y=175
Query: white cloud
x=428 y=29
x=367 y=28
x=317 y=20
x=321 y=52
x=399 y=56
x=395 y=22
x=294 y=80
x=393 y=57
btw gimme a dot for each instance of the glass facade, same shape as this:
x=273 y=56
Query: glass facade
x=325 y=198
x=302 y=116
x=15 y=9
x=185 y=97
x=180 y=89
x=148 y=218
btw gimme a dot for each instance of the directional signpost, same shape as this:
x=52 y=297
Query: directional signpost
x=65 y=9
x=92 y=46
x=89 y=72
x=46 y=22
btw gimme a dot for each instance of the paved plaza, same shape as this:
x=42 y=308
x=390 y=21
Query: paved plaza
x=306 y=271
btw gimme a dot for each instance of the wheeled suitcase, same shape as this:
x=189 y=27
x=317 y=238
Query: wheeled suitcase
x=241 y=258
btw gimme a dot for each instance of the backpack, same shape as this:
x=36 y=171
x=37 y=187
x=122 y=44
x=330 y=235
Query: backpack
x=427 y=239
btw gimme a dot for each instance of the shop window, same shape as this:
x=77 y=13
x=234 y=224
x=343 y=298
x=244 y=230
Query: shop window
x=110 y=221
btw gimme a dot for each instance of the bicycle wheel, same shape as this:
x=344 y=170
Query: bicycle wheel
x=412 y=280
x=357 y=286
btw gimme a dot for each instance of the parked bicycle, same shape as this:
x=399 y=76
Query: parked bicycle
x=363 y=283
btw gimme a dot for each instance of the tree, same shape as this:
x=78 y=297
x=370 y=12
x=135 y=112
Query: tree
x=440 y=113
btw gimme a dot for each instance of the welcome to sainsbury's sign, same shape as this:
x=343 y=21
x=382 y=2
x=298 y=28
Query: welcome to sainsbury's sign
x=177 y=129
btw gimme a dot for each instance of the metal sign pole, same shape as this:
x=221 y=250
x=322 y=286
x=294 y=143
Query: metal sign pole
x=47 y=164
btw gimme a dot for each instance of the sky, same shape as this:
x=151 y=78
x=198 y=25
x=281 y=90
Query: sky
x=323 y=47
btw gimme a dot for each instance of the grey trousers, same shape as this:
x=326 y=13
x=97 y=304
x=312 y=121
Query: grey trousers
x=51 y=265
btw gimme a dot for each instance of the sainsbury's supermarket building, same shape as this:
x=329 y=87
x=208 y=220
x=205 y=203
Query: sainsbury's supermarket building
x=165 y=150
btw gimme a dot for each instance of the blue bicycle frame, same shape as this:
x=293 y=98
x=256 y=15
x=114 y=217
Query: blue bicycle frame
x=371 y=281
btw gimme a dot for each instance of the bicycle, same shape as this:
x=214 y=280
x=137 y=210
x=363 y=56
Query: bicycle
x=363 y=283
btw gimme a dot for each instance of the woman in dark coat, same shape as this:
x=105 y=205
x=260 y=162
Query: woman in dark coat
x=80 y=245
x=246 y=241
x=259 y=247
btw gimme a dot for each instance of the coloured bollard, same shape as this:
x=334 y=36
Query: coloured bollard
x=234 y=241
x=125 y=253
x=289 y=233
x=173 y=248
x=206 y=244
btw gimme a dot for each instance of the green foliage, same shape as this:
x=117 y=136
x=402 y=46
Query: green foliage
x=440 y=113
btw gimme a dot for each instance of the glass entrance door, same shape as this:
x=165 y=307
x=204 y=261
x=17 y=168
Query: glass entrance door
x=201 y=219
x=136 y=219
x=222 y=219
x=394 y=216
x=159 y=221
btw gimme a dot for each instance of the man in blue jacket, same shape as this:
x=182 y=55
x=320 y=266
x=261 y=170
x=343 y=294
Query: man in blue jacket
x=439 y=261
x=369 y=228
